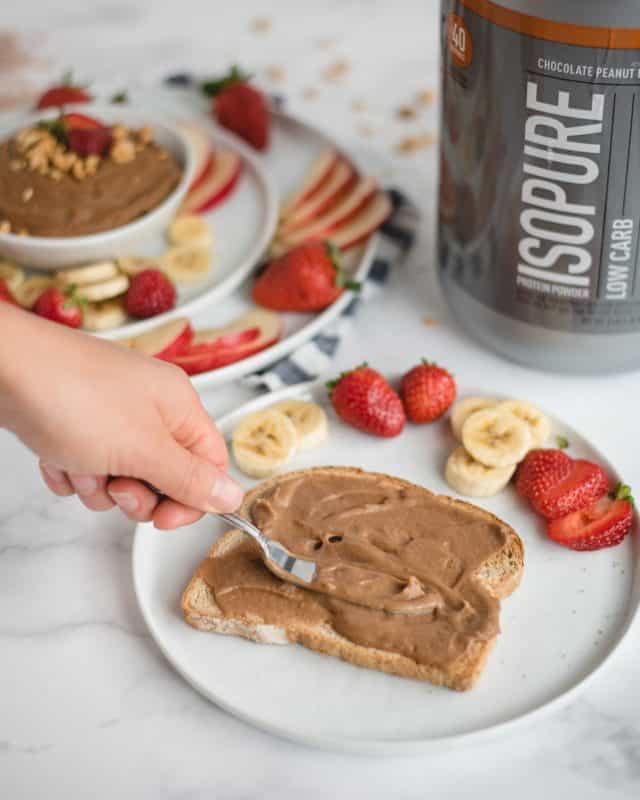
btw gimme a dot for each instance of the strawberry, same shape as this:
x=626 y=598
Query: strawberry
x=85 y=135
x=86 y=142
x=585 y=482
x=603 y=523
x=150 y=292
x=307 y=278
x=63 y=94
x=364 y=399
x=240 y=107
x=540 y=471
x=427 y=391
x=75 y=121
x=61 y=306
x=6 y=294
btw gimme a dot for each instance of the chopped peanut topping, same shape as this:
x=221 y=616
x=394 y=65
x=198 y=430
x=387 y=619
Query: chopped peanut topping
x=261 y=25
x=411 y=144
x=406 y=112
x=123 y=151
x=337 y=70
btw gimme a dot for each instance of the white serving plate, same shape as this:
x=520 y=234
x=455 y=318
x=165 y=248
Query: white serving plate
x=558 y=629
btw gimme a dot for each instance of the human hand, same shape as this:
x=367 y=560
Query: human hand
x=92 y=409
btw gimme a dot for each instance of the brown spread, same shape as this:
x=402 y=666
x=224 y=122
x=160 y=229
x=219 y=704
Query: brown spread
x=116 y=194
x=396 y=565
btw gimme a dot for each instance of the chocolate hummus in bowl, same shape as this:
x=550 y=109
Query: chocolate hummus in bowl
x=88 y=184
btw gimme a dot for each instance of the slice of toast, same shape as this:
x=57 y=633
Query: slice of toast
x=499 y=576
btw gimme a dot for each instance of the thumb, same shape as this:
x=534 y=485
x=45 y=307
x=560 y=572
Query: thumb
x=192 y=480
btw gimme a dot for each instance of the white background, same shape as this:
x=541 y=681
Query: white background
x=88 y=707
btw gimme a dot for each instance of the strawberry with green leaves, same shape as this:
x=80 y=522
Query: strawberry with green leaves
x=60 y=305
x=307 y=278
x=364 y=399
x=240 y=107
x=63 y=94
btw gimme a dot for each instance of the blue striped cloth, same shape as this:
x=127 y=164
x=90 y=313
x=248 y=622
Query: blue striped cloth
x=313 y=358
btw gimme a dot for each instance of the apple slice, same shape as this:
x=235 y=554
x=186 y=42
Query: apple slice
x=318 y=171
x=165 y=341
x=204 y=172
x=202 y=149
x=216 y=185
x=327 y=194
x=241 y=338
x=337 y=214
x=362 y=224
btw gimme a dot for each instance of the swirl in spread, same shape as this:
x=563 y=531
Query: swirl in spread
x=396 y=565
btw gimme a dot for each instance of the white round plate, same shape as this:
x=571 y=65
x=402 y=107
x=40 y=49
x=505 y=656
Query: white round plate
x=558 y=628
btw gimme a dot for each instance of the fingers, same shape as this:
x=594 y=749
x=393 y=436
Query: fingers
x=138 y=502
x=92 y=491
x=190 y=479
x=56 y=480
x=169 y=515
x=198 y=433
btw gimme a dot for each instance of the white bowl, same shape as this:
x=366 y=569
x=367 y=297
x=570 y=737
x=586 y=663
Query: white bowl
x=55 y=252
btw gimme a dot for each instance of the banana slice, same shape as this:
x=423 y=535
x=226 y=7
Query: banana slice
x=30 y=290
x=309 y=420
x=496 y=437
x=469 y=477
x=91 y=273
x=263 y=442
x=134 y=265
x=104 y=315
x=11 y=274
x=187 y=263
x=538 y=423
x=464 y=408
x=95 y=292
x=190 y=229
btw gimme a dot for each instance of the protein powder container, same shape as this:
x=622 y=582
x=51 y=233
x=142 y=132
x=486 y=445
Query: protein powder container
x=540 y=178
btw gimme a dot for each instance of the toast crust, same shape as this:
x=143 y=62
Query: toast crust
x=500 y=575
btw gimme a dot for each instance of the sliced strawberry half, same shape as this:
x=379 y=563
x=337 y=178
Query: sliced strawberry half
x=316 y=174
x=364 y=223
x=603 y=523
x=338 y=214
x=165 y=341
x=319 y=201
x=216 y=185
x=584 y=483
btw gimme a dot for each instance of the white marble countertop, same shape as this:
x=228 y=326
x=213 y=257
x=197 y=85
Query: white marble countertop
x=88 y=706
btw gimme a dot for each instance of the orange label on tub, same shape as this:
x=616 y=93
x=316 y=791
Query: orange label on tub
x=459 y=41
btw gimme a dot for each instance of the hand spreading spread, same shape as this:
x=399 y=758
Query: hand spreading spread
x=92 y=409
